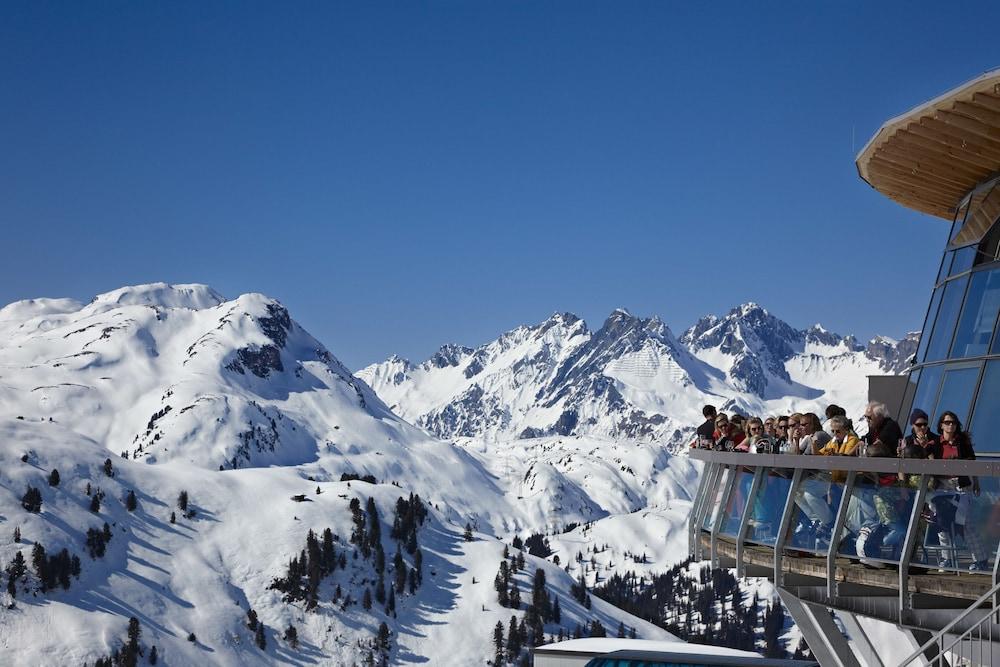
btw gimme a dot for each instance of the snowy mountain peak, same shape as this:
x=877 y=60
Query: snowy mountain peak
x=192 y=296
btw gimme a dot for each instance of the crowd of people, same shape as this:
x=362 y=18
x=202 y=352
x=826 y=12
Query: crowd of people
x=877 y=524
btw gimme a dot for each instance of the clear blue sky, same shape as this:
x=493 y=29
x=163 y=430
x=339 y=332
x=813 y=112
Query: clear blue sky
x=408 y=174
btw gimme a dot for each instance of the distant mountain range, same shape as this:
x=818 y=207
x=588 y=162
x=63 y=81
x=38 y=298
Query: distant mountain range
x=632 y=378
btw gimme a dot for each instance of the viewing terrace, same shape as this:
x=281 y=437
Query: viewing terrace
x=829 y=535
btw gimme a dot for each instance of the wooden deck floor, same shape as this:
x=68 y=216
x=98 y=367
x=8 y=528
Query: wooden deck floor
x=950 y=585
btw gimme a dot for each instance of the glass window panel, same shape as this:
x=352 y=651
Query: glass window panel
x=927 y=389
x=908 y=393
x=876 y=521
x=963 y=260
x=956 y=226
x=815 y=506
x=989 y=248
x=956 y=392
x=958 y=530
x=925 y=332
x=979 y=315
x=737 y=504
x=768 y=506
x=945 y=269
x=944 y=326
x=985 y=425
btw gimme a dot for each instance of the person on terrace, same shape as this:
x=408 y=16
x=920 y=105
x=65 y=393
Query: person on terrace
x=726 y=437
x=813 y=436
x=921 y=434
x=706 y=432
x=758 y=441
x=771 y=427
x=881 y=427
x=953 y=500
x=781 y=432
x=843 y=442
x=794 y=433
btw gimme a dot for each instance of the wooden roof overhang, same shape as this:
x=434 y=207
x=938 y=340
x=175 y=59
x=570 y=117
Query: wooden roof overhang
x=931 y=157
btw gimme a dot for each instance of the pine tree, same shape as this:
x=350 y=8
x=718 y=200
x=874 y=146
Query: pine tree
x=468 y=533
x=54 y=478
x=366 y=599
x=182 y=501
x=556 y=611
x=252 y=620
x=292 y=636
x=513 y=640
x=17 y=534
x=130 y=501
x=498 y=643
x=390 y=608
x=109 y=468
x=152 y=655
x=32 y=500
x=514 y=597
x=95 y=503
x=259 y=638
x=382 y=640
x=173 y=518
x=621 y=629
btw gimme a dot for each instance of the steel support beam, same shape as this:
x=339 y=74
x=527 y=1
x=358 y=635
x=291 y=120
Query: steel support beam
x=741 y=534
x=861 y=640
x=909 y=543
x=786 y=519
x=826 y=641
x=720 y=515
x=838 y=527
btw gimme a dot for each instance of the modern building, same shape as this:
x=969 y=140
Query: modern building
x=874 y=571
x=943 y=159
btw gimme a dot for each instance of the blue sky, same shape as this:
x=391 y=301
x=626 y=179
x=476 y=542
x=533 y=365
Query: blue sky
x=405 y=175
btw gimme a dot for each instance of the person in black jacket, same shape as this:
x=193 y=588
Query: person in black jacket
x=706 y=432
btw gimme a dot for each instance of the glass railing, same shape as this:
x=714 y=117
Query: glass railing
x=715 y=497
x=959 y=530
x=814 y=509
x=767 y=506
x=878 y=513
x=733 y=513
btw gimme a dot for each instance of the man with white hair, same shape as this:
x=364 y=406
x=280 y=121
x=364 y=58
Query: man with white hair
x=883 y=431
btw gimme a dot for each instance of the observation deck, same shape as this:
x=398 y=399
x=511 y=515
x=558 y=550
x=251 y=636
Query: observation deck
x=846 y=534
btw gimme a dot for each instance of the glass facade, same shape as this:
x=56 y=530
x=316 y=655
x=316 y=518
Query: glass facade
x=959 y=351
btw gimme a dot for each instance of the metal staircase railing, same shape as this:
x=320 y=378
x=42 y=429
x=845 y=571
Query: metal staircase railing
x=975 y=646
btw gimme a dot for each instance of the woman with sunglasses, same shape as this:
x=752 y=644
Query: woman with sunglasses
x=921 y=434
x=953 y=496
x=758 y=440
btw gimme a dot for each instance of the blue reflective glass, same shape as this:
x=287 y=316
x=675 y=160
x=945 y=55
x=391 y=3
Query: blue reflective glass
x=979 y=315
x=963 y=260
x=945 y=269
x=944 y=326
x=927 y=389
x=956 y=392
x=985 y=424
x=911 y=388
x=959 y=530
x=815 y=507
x=767 y=507
x=737 y=504
x=876 y=521
x=925 y=332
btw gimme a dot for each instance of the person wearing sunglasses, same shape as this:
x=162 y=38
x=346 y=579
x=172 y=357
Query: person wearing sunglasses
x=726 y=437
x=921 y=434
x=758 y=441
x=952 y=499
x=781 y=433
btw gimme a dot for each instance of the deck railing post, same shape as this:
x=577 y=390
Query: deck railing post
x=838 y=526
x=786 y=520
x=720 y=515
x=909 y=543
x=708 y=482
x=758 y=475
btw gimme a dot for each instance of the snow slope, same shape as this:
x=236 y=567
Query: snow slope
x=233 y=402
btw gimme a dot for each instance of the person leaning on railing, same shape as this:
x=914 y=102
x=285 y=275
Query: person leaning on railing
x=921 y=434
x=953 y=501
x=843 y=443
x=759 y=440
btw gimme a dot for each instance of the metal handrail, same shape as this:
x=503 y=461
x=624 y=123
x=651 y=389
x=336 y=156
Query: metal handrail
x=938 y=638
x=983 y=467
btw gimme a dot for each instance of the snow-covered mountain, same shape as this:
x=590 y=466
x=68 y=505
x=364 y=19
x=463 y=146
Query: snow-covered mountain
x=150 y=390
x=632 y=378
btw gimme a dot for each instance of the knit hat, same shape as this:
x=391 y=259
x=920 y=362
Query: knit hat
x=917 y=414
